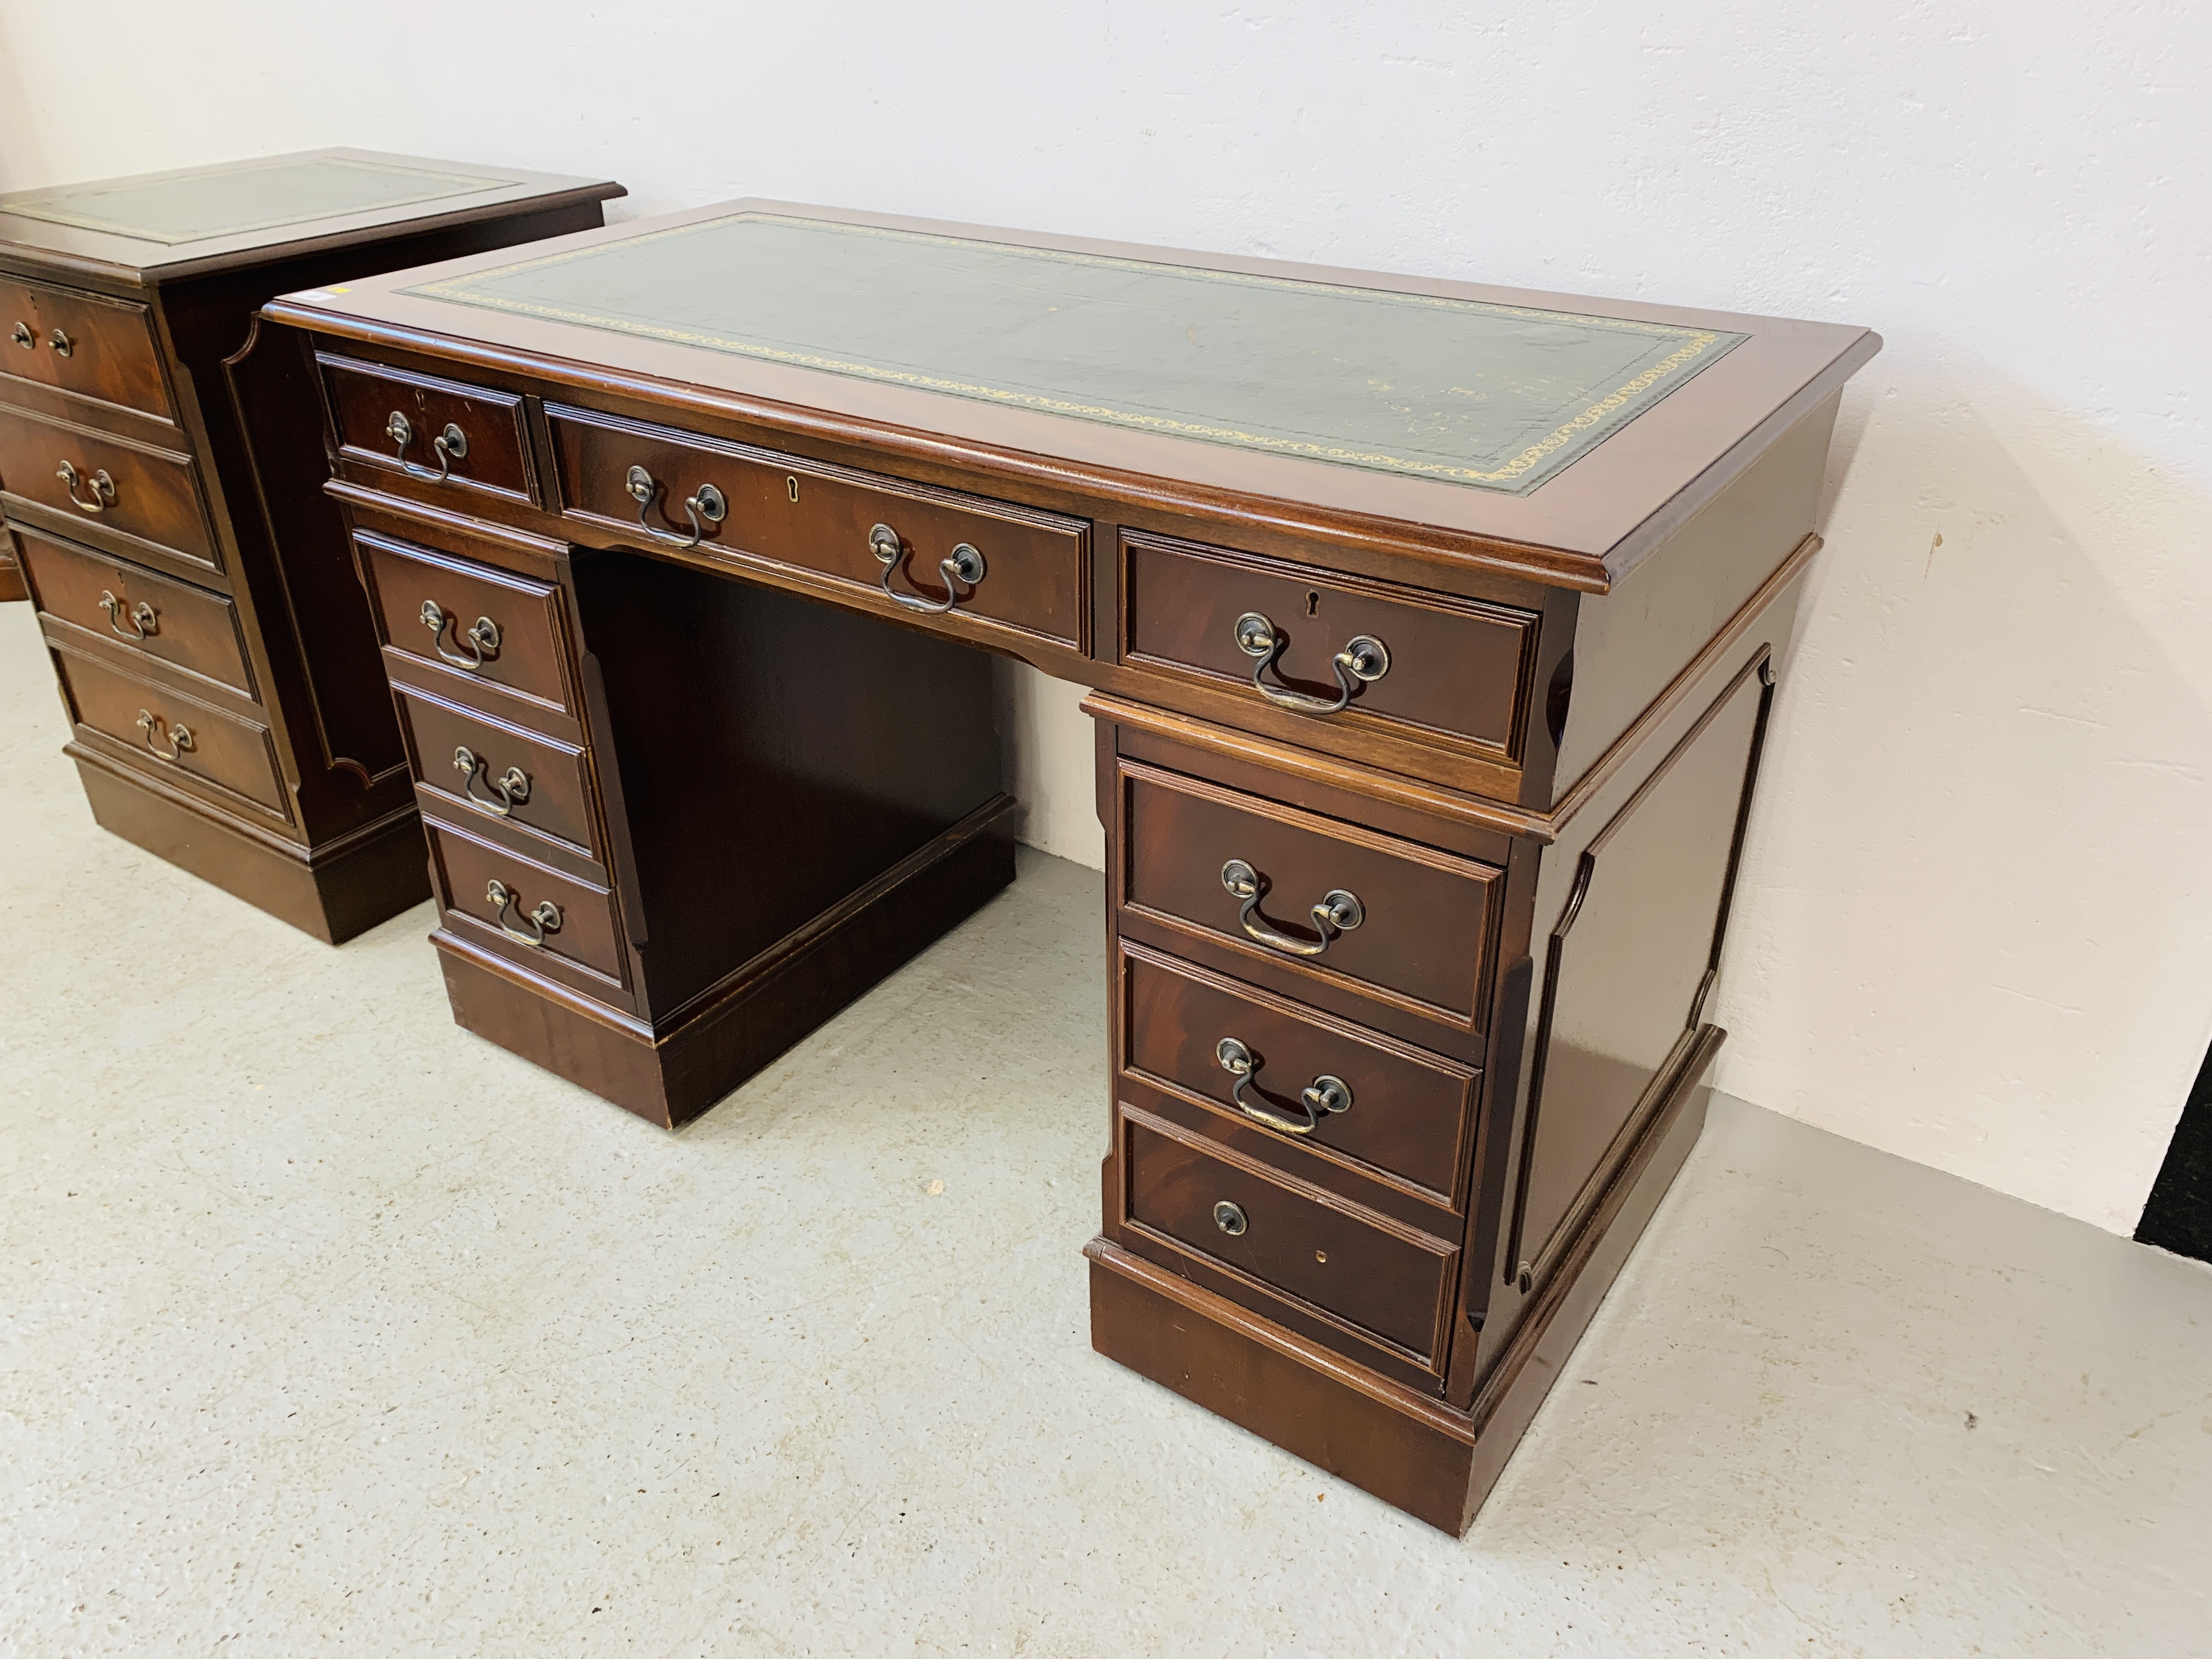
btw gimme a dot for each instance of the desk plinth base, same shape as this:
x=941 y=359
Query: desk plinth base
x=334 y=891
x=1408 y=1448
x=671 y=1075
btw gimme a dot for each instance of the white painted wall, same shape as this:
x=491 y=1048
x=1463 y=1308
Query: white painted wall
x=1976 y=925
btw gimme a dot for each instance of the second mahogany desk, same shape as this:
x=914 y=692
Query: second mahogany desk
x=1431 y=630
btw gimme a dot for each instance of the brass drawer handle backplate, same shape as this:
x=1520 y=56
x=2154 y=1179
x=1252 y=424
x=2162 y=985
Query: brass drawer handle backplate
x=22 y=336
x=142 y=618
x=545 y=919
x=1230 y=1217
x=514 y=786
x=1363 y=660
x=482 y=639
x=450 y=446
x=708 y=504
x=962 y=567
x=178 y=737
x=102 y=488
x=1339 y=912
x=1324 y=1094
x=63 y=345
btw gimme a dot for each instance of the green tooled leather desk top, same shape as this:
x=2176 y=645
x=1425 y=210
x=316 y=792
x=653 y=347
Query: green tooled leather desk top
x=1495 y=397
x=230 y=201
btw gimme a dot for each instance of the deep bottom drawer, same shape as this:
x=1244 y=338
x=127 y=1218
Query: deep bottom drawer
x=171 y=734
x=1349 y=1263
x=534 y=916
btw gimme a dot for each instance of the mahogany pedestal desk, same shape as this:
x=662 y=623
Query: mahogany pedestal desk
x=229 y=708
x=1432 y=631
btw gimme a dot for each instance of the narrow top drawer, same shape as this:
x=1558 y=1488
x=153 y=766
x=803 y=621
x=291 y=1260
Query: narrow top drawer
x=81 y=343
x=930 y=549
x=1449 y=672
x=444 y=434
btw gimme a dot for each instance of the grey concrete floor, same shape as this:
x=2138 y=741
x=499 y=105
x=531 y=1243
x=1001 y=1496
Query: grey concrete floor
x=331 y=1329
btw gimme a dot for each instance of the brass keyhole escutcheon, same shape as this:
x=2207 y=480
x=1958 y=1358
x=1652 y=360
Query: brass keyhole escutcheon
x=791 y=483
x=1313 y=602
x=1322 y=1256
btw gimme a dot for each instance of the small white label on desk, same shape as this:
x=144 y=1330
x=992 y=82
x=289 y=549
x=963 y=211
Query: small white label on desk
x=318 y=293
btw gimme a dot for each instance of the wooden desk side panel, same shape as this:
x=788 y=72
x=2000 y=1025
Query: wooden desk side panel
x=1630 y=644
x=1629 y=916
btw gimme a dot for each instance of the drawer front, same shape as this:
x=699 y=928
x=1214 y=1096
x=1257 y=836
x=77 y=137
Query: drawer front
x=1422 y=916
x=819 y=517
x=492 y=457
x=1325 y=1083
x=171 y=621
x=172 y=735
x=105 y=347
x=1333 y=1256
x=147 y=493
x=499 y=771
x=578 y=929
x=1452 y=669
x=474 y=624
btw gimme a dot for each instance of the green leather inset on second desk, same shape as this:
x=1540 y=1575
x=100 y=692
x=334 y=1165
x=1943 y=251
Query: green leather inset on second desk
x=229 y=201
x=1497 y=397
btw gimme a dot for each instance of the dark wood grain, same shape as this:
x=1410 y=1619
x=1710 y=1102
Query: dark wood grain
x=771 y=756
x=559 y=801
x=1326 y=1252
x=222 y=751
x=1589 y=526
x=670 y=1073
x=351 y=241
x=1458 y=669
x=587 y=936
x=156 y=494
x=776 y=759
x=1411 y=1111
x=495 y=458
x=1427 y=913
x=528 y=658
x=211 y=430
x=334 y=891
x=192 y=629
x=111 y=352
x=786 y=509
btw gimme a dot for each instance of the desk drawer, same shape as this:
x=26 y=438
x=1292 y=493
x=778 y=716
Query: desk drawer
x=1416 y=933
x=507 y=902
x=391 y=417
x=81 y=343
x=170 y=621
x=1350 y=1263
x=501 y=772
x=473 y=624
x=820 y=517
x=113 y=484
x=1451 y=668
x=1381 y=1104
x=172 y=735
